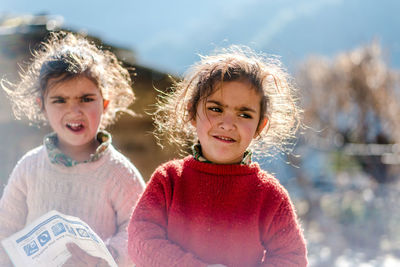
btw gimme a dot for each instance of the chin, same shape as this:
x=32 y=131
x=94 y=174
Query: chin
x=225 y=161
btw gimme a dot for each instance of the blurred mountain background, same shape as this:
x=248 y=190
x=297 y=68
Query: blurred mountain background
x=168 y=34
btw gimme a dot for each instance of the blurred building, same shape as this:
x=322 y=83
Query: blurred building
x=19 y=36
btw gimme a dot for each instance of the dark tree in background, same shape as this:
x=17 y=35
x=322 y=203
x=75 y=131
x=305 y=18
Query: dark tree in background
x=349 y=163
x=354 y=104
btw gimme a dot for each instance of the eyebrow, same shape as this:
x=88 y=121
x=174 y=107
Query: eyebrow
x=244 y=108
x=60 y=96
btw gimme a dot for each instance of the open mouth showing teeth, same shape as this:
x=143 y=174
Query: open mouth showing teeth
x=75 y=126
x=227 y=139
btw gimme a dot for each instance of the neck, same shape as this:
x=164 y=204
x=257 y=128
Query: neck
x=79 y=153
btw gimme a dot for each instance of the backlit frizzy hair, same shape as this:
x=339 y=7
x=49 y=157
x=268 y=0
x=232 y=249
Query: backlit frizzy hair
x=65 y=56
x=278 y=103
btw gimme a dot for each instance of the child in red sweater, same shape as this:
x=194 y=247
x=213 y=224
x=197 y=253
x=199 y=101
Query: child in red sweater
x=216 y=207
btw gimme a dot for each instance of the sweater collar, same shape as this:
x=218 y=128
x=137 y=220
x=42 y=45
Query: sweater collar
x=198 y=155
x=221 y=169
x=56 y=156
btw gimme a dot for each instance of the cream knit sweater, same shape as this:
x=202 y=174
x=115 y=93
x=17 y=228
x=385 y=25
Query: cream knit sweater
x=102 y=193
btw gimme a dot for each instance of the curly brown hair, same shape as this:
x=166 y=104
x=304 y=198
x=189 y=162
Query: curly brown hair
x=66 y=56
x=278 y=103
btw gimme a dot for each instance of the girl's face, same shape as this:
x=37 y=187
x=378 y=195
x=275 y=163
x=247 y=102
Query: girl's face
x=74 y=108
x=226 y=122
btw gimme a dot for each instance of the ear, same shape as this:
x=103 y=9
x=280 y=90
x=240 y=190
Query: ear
x=261 y=127
x=41 y=106
x=192 y=121
x=39 y=103
x=105 y=103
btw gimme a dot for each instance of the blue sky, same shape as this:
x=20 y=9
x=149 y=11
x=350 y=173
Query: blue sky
x=168 y=35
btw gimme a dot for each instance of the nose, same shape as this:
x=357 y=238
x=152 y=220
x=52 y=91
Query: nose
x=227 y=122
x=75 y=107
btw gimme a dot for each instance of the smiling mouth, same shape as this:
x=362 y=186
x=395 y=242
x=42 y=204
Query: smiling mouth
x=225 y=139
x=75 y=127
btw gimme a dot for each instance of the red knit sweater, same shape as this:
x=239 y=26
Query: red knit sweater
x=194 y=214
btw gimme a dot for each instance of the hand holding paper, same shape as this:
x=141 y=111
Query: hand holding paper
x=56 y=239
x=79 y=258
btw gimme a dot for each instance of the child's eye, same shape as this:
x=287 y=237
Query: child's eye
x=215 y=109
x=245 y=115
x=58 y=101
x=87 y=99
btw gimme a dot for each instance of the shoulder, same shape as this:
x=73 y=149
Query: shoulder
x=271 y=184
x=34 y=153
x=164 y=178
x=120 y=166
x=168 y=171
x=274 y=194
x=32 y=157
x=117 y=160
x=27 y=164
x=172 y=167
